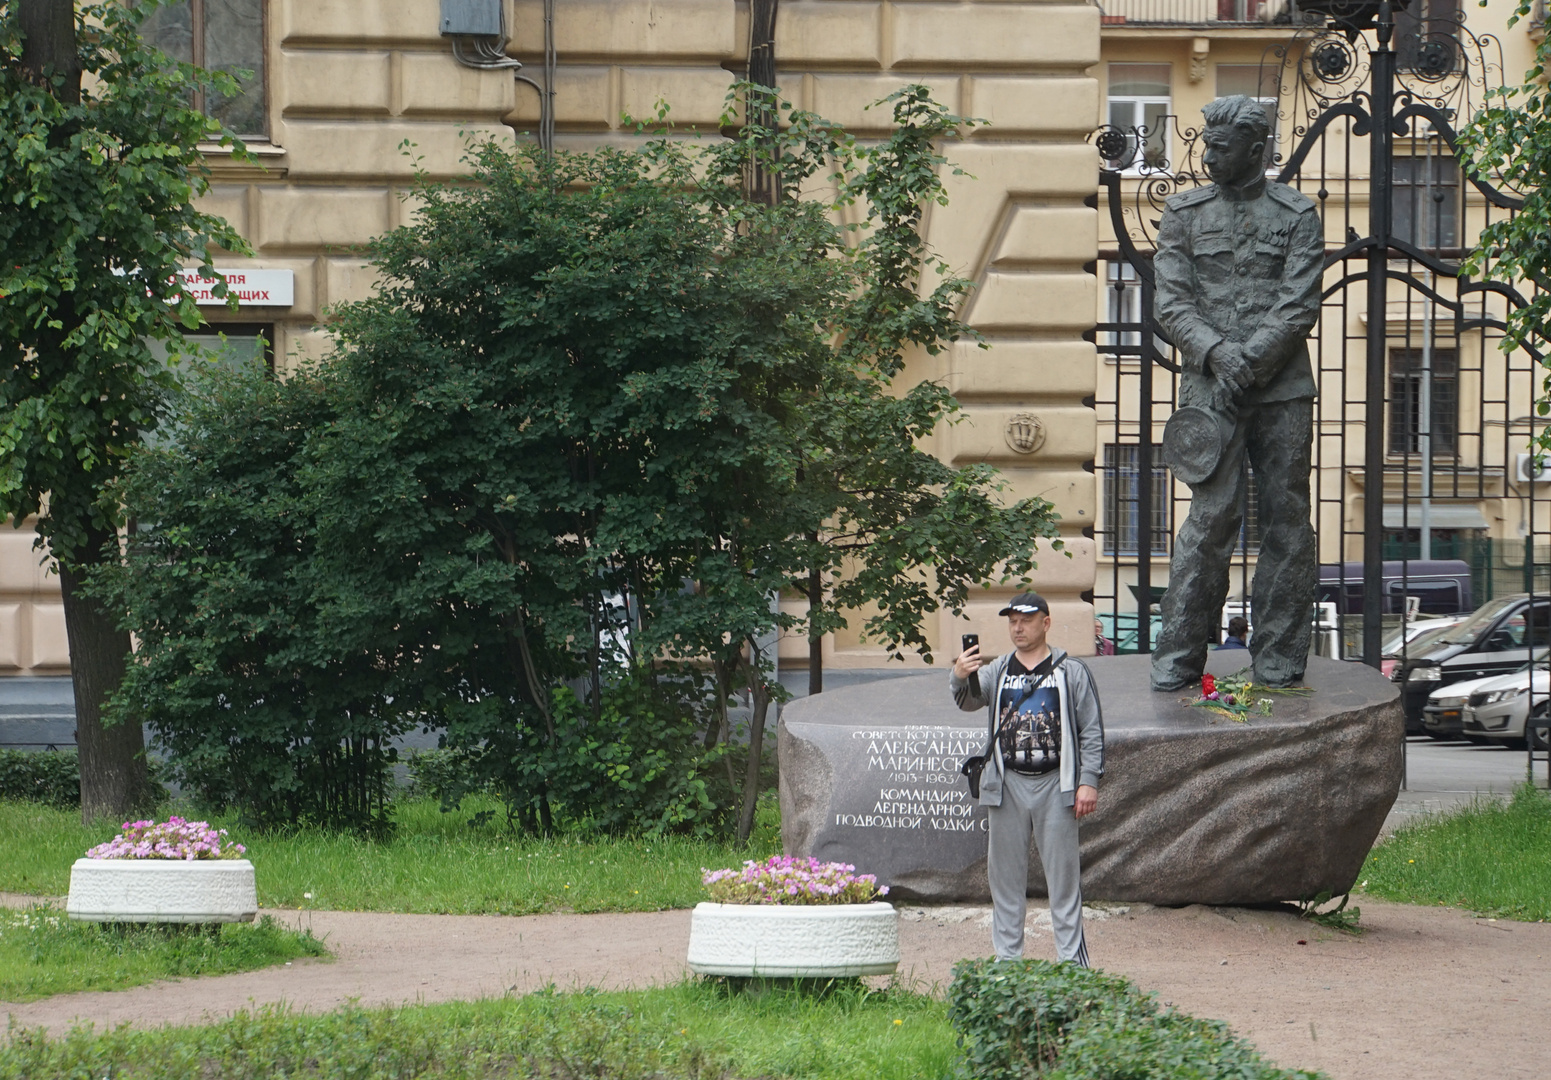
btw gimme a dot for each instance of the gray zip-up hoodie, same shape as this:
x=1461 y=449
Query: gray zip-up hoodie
x=1082 y=723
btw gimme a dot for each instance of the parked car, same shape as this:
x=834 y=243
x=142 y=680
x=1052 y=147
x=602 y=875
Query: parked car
x=1443 y=717
x=1441 y=586
x=1498 y=709
x=1411 y=637
x=1495 y=640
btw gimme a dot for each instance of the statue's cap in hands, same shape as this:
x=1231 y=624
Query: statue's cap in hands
x=1026 y=603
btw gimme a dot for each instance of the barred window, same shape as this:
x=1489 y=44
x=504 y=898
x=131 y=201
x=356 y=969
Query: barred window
x=1405 y=402
x=1122 y=487
x=1425 y=195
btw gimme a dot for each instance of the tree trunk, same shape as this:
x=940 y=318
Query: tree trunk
x=113 y=775
x=761 y=701
x=49 y=29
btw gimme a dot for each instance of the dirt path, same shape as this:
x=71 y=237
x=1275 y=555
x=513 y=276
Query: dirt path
x=1423 y=993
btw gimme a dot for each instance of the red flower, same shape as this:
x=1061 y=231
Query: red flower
x=1208 y=686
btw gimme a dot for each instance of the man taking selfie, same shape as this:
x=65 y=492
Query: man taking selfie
x=1044 y=757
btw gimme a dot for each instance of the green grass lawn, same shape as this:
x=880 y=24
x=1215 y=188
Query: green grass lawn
x=688 y=1030
x=1491 y=857
x=434 y=862
x=42 y=952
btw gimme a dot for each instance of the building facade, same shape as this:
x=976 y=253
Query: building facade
x=348 y=98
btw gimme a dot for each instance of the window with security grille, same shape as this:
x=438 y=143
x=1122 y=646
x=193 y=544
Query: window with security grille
x=220 y=35
x=1407 y=390
x=1425 y=195
x=1122 y=488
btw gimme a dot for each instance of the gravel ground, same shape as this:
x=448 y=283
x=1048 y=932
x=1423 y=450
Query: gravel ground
x=1422 y=993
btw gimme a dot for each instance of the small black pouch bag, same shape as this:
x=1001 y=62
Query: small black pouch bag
x=972 y=768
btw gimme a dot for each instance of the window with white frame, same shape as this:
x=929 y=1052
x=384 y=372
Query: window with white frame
x=1139 y=109
x=1259 y=82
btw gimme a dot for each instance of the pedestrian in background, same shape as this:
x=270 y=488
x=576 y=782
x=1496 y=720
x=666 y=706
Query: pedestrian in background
x=1238 y=631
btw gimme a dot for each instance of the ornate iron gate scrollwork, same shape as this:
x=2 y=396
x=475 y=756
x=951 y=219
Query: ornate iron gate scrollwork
x=1420 y=412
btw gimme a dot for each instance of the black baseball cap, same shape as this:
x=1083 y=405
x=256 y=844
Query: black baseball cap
x=1026 y=603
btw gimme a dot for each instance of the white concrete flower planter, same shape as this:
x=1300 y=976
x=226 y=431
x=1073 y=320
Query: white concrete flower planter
x=162 y=891
x=816 y=941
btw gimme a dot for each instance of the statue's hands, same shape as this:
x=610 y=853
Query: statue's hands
x=1230 y=365
x=1225 y=398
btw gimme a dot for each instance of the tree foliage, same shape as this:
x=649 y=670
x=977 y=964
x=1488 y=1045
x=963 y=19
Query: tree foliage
x=99 y=219
x=1508 y=143
x=97 y=182
x=603 y=410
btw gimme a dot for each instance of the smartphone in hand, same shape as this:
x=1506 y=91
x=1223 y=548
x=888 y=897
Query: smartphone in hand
x=970 y=641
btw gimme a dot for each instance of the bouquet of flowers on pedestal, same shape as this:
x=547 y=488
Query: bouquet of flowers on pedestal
x=1238 y=698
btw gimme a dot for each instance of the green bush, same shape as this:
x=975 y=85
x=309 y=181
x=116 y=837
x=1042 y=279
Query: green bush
x=271 y=694
x=51 y=777
x=638 y=766
x=1026 y=1018
x=1161 y=1046
x=1012 y=1017
x=602 y=408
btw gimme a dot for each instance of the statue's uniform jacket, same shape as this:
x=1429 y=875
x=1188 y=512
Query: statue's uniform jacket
x=1243 y=266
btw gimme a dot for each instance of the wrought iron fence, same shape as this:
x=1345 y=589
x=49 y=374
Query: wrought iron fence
x=1423 y=422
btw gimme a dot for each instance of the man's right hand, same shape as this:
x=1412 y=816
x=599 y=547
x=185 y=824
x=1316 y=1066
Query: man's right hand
x=968 y=662
x=1229 y=364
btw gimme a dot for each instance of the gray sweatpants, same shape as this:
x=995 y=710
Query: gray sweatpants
x=1034 y=804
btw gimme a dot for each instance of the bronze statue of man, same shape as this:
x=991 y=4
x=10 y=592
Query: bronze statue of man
x=1238 y=270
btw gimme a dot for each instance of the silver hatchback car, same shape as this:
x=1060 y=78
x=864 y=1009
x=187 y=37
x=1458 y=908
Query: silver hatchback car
x=1499 y=709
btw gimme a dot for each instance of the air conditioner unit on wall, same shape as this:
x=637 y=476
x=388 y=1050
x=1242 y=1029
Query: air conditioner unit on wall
x=479 y=17
x=1525 y=472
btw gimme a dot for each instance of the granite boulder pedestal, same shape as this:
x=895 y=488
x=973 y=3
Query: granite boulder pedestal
x=1193 y=808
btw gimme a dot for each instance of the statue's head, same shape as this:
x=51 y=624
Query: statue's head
x=1235 y=137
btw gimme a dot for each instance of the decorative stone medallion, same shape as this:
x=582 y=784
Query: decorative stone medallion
x=794 y=941
x=1025 y=432
x=162 y=891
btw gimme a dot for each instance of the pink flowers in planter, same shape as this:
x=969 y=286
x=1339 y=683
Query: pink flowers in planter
x=170 y=839
x=785 y=879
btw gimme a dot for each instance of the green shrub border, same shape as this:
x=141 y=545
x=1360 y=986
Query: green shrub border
x=1016 y=1019
x=51 y=777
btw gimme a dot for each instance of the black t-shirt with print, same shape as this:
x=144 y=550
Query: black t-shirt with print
x=1031 y=743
